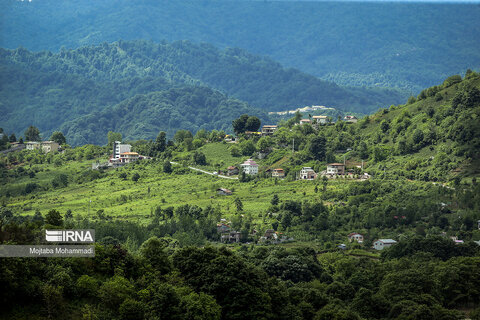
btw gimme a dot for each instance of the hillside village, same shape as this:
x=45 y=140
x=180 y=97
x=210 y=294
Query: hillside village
x=308 y=202
x=314 y=149
x=237 y=160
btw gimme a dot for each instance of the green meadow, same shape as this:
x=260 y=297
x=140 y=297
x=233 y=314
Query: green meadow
x=123 y=198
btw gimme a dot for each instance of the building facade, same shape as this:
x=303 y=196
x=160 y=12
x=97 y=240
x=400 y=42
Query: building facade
x=269 y=130
x=250 y=167
x=119 y=148
x=335 y=168
x=45 y=146
x=320 y=119
x=381 y=244
x=307 y=173
x=278 y=173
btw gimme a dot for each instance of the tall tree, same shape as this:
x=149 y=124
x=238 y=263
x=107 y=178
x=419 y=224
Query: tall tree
x=161 y=142
x=32 y=134
x=58 y=137
x=113 y=136
x=317 y=147
x=252 y=124
x=240 y=123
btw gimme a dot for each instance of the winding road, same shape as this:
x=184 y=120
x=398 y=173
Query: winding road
x=207 y=172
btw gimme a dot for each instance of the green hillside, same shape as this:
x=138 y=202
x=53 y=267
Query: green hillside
x=408 y=45
x=143 y=116
x=158 y=251
x=47 y=90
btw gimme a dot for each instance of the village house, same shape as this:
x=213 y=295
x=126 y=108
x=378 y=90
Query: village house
x=228 y=138
x=119 y=148
x=307 y=173
x=32 y=145
x=278 y=173
x=222 y=228
x=128 y=157
x=320 y=119
x=304 y=121
x=335 y=168
x=231 y=237
x=350 y=119
x=45 y=146
x=232 y=171
x=270 y=235
x=224 y=192
x=250 y=167
x=355 y=237
x=381 y=244
x=268 y=130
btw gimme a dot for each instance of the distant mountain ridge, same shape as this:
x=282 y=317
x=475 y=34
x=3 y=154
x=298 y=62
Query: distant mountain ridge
x=386 y=44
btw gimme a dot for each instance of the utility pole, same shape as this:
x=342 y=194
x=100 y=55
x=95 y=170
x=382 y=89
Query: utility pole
x=89 y=202
x=293 y=147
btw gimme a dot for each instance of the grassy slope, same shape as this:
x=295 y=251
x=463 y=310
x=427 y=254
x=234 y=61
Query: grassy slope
x=192 y=188
x=417 y=111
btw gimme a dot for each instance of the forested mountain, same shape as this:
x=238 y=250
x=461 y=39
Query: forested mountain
x=47 y=89
x=143 y=116
x=409 y=45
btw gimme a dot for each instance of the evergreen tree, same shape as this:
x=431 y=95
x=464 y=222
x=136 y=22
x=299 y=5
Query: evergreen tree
x=32 y=134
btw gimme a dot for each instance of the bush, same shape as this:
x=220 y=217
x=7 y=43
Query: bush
x=30 y=187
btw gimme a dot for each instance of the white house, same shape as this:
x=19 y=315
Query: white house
x=250 y=167
x=355 y=237
x=335 y=168
x=119 y=148
x=381 y=244
x=32 y=145
x=307 y=173
x=320 y=119
x=48 y=146
x=351 y=119
x=45 y=146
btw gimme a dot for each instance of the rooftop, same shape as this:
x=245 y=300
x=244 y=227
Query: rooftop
x=387 y=240
x=249 y=162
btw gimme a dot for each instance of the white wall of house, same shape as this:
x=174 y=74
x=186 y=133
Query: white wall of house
x=119 y=148
x=382 y=244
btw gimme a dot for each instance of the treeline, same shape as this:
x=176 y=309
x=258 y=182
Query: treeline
x=363 y=43
x=427 y=278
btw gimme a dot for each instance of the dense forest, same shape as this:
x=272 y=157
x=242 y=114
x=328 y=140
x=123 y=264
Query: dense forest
x=408 y=45
x=89 y=79
x=142 y=116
